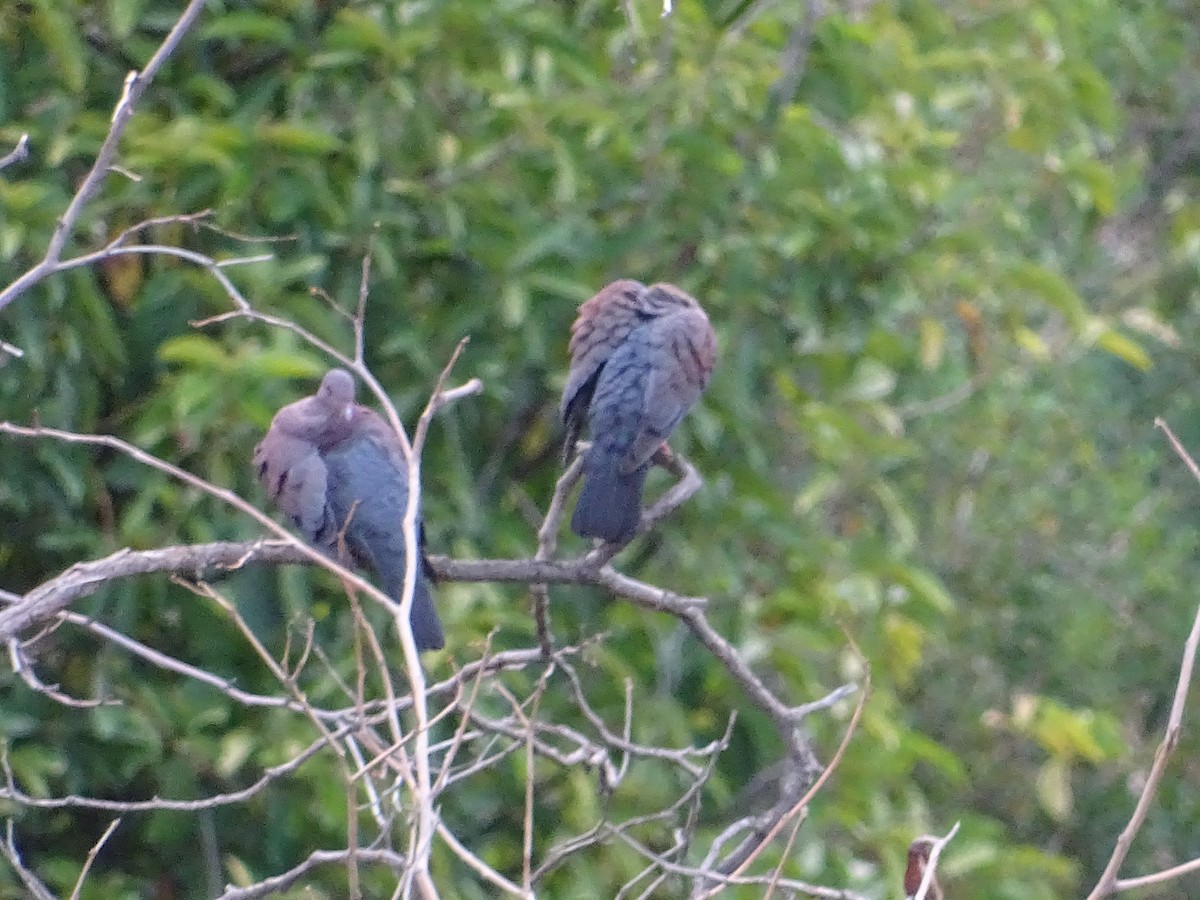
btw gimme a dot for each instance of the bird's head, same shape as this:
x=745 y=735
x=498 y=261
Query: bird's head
x=336 y=393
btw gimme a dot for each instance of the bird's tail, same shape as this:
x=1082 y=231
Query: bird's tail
x=426 y=627
x=610 y=502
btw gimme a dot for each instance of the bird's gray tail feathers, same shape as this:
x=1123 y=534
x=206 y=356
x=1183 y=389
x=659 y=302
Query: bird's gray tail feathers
x=426 y=627
x=610 y=502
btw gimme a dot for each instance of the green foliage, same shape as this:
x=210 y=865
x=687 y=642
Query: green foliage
x=929 y=430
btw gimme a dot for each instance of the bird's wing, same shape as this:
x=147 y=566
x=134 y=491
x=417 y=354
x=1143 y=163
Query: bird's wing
x=294 y=477
x=683 y=350
x=603 y=324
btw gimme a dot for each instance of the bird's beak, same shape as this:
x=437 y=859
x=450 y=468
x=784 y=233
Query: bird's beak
x=349 y=413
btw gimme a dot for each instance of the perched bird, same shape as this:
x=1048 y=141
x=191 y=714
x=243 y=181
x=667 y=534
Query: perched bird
x=336 y=469
x=918 y=860
x=640 y=357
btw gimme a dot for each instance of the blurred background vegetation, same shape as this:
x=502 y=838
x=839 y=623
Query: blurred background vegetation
x=950 y=250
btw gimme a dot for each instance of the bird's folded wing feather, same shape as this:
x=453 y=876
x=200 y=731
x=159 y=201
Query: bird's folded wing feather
x=684 y=350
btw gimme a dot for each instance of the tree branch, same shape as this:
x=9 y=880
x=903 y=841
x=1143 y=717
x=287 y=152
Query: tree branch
x=135 y=85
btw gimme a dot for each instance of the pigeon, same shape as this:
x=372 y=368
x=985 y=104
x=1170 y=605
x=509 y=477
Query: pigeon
x=640 y=358
x=337 y=470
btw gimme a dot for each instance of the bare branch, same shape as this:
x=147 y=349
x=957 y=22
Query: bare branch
x=1130 y=884
x=935 y=850
x=32 y=883
x=24 y=668
x=740 y=860
x=547 y=547
x=17 y=154
x=1108 y=885
x=135 y=85
x=378 y=856
x=10 y=791
x=91 y=857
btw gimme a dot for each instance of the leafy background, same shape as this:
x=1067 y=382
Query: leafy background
x=950 y=251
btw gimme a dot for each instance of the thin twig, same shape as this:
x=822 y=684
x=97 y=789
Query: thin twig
x=17 y=154
x=91 y=857
x=378 y=856
x=135 y=85
x=32 y=883
x=1107 y=885
x=931 y=864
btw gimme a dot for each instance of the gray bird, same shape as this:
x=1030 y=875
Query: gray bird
x=336 y=469
x=640 y=358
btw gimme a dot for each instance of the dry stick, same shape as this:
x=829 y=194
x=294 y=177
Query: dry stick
x=931 y=864
x=484 y=870
x=479 y=865
x=24 y=668
x=529 y=722
x=85 y=578
x=546 y=548
x=1108 y=883
x=91 y=857
x=359 y=319
x=427 y=817
x=288 y=681
x=404 y=766
x=777 y=872
x=353 y=880
x=459 y=732
x=749 y=849
x=11 y=792
x=210 y=265
x=283 y=881
x=792 y=884
x=135 y=85
x=803 y=802
x=171 y=664
x=204 y=560
x=284 y=679
x=475 y=670
x=1129 y=884
x=32 y=883
x=603 y=828
x=18 y=153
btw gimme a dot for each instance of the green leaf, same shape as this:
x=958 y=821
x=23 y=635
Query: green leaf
x=295 y=139
x=123 y=16
x=61 y=39
x=1053 y=788
x=195 y=350
x=1124 y=348
x=871 y=380
x=235 y=26
x=1050 y=287
x=276 y=364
